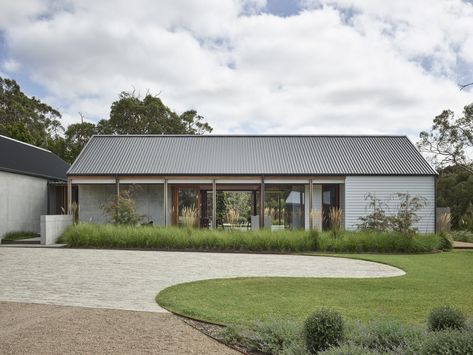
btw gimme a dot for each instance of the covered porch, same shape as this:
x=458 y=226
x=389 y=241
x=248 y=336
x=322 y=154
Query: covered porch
x=236 y=203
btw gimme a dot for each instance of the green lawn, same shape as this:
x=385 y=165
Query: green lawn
x=431 y=280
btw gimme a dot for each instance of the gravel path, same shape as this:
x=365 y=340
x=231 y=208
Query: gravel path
x=130 y=280
x=46 y=329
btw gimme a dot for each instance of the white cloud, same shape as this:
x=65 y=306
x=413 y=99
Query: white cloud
x=11 y=65
x=338 y=67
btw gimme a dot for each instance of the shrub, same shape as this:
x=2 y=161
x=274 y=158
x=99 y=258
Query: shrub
x=122 y=208
x=462 y=236
x=445 y=242
x=450 y=342
x=348 y=349
x=272 y=337
x=446 y=317
x=387 y=335
x=323 y=329
x=402 y=221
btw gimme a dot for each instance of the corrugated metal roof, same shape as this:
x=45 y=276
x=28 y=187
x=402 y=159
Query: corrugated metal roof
x=22 y=158
x=250 y=155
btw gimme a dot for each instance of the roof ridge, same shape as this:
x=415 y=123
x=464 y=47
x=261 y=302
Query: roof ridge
x=253 y=135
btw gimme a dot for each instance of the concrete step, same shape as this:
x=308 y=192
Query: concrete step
x=34 y=240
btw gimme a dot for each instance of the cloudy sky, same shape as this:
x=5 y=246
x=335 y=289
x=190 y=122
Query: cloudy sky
x=248 y=66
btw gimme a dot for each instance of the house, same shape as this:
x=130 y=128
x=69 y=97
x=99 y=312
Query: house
x=277 y=181
x=32 y=183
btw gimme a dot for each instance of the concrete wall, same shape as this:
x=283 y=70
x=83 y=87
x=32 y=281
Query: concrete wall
x=91 y=200
x=53 y=226
x=23 y=199
x=384 y=188
x=149 y=200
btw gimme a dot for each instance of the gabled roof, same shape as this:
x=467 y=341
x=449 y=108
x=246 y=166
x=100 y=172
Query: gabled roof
x=174 y=155
x=22 y=158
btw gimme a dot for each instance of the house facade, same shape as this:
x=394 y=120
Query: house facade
x=276 y=182
x=32 y=183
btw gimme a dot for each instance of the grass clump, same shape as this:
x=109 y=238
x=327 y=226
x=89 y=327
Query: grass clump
x=446 y=317
x=19 y=235
x=323 y=329
x=173 y=238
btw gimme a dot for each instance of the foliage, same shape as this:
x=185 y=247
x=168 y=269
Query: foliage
x=449 y=138
x=76 y=137
x=446 y=317
x=466 y=220
x=335 y=217
x=450 y=342
x=131 y=114
x=190 y=217
x=377 y=220
x=233 y=217
x=455 y=190
x=446 y=241
x=111 y=236
x=122 y=208
x=385 y=335
x=26 y=118
x=462 y=236
x=19 y=235
x=403 y=218
x=31 y=121
x=323 y=329
x=348 y=349
x=238 y=202
x=360 y=338
x=270 y=337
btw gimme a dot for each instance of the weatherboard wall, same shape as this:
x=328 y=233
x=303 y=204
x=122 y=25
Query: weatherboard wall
x=385 y=188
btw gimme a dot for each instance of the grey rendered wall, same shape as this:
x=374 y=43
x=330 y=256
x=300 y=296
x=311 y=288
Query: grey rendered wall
x=384 y=187
x=23 y=199
x=149 y=202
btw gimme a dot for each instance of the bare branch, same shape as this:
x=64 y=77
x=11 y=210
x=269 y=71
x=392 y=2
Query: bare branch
x=463 y=86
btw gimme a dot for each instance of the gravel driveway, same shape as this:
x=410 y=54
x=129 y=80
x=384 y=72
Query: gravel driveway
x=130 y=280
x=45 y=329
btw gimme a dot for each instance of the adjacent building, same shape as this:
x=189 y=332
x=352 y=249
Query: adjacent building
x=32 y=183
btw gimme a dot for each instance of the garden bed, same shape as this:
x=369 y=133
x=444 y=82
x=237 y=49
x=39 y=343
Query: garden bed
x=172 y=238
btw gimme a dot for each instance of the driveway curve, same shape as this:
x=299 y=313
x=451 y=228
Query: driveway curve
x=130 y=280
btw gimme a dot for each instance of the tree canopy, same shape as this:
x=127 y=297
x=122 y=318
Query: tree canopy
x=132 y=115
x=29 y=120
x=450 y=138
x=26 y=118
x=450 y=142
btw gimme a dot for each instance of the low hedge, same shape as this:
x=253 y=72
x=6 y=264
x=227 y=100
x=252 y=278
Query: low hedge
x=173 y=238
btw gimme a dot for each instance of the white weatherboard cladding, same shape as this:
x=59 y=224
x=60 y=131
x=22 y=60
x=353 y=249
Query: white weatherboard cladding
x=384 y=188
